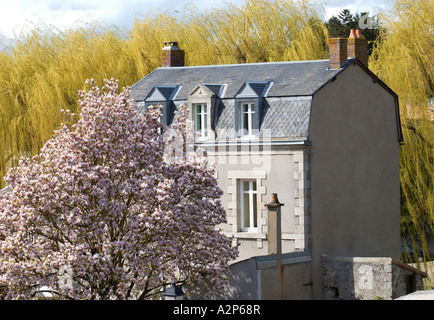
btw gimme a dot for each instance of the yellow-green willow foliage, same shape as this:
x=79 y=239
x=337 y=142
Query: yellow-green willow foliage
x=404 y=59
x=255 y=31
x=40 y=75
x=259 y=31
x=43 y=68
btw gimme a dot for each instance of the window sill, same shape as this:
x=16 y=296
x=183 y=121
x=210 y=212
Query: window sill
x=201 y=139
x=247 y=235
x=249 y=137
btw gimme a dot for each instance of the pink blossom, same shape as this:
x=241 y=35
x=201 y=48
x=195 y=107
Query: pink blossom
x=101 y=208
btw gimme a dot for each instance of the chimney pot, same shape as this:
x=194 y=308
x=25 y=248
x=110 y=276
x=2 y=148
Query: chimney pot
x=353 y=33
x=274 y=198
x=274 y=202
x=359 y=33
x=173 y=44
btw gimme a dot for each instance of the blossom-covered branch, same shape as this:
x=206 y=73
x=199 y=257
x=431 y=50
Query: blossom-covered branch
x=101 y=214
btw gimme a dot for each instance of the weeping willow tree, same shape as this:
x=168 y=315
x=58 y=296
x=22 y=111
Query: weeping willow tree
x=41 y=73
x=43 y=68
x=404 y=60
x=255 y=31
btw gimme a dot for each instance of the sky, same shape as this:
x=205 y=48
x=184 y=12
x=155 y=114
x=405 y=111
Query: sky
x=16 y=14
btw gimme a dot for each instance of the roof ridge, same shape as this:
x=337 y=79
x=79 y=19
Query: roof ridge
x=243 y=64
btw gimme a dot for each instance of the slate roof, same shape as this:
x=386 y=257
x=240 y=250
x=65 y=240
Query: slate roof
x=290 y=82
x=291 y=78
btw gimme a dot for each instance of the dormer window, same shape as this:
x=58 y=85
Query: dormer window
x=248 y=119
x=201 y=119
x=249 y=102
x=202 y=102
x=163 y=95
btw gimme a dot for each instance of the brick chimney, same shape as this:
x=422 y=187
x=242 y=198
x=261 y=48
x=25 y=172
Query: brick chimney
x=338 y=52
x=173 y=56
x=358 y=46
x=341 y=49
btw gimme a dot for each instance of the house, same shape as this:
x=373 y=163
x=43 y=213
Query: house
x=324 y=135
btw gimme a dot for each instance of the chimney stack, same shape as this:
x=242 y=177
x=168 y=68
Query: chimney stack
x=341 y=49
x=358 y=46
x=338 y=52
x=173 y=56
x=275 y=237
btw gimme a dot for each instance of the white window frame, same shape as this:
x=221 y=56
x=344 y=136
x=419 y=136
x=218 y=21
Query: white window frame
x=203 y=119
x=251 y=114
x=252 y=214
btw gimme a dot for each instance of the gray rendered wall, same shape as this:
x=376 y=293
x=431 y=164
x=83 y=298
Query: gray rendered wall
x=355 y=206
x=282 y=172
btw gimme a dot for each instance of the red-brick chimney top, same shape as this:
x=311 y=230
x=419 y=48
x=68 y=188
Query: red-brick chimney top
x=341 y=49
x=173 y=56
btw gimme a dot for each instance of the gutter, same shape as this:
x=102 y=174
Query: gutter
x=240 y=142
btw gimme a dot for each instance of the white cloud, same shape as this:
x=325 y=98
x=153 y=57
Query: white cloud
x=20 y=13
x=60 y=13
x=11 y=14
x=356 y=6
x=64 y=13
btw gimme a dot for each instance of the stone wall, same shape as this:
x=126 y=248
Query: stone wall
x=359 y=278
x=428 y=268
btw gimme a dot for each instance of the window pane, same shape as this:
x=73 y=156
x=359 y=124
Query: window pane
x=255 y=211
x=246 y=210
x=253 y=118
x=198 y=118
x=245 y=186
x=248 y=118
x=198 y=122
x=201 y=119
x=245 y=123
x=245 y=108
x=249 y=204
x=205 y=127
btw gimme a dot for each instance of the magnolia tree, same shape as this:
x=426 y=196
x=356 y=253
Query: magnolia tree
x=110 y=209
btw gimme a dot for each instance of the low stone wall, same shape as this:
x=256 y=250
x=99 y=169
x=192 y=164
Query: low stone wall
x=428 y=268
x=360 y=278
